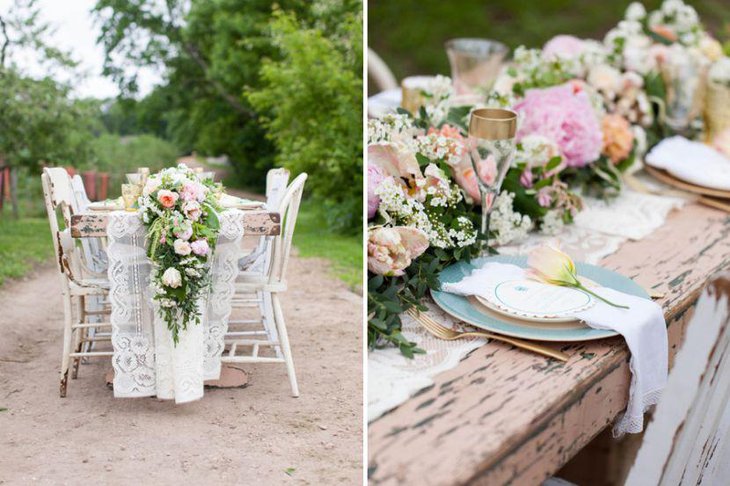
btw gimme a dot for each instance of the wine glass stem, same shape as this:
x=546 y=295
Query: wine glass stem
x=486 y=207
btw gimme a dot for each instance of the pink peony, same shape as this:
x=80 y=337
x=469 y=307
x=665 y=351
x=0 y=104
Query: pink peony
x=564 y=115
x=200 y=247
x=375 y=177
x=167 y=198
x=563 y=46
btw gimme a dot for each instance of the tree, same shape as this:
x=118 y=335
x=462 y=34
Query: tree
x=210 y=52
x=38 y=120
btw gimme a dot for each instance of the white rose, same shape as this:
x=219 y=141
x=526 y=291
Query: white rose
x=151 y=185
x=182 y=247
x=710 y=48
x=636 y=11
x=604 y=78
x=172 y=278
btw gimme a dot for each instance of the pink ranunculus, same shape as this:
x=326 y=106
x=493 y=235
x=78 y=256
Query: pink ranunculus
x=200 y=247
x=167 y=198
x=192 y=210
x=563 y=46
x=375 y=177
x=465 y=176
x=567 y=118
x=391 y=250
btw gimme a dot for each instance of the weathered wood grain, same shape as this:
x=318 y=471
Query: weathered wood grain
x=504 y=416
x=256 y=223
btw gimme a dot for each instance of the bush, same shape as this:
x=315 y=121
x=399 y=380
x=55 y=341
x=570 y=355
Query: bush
x=313 y=96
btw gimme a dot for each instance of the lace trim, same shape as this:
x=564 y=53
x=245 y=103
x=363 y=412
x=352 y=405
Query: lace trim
x=145 y=361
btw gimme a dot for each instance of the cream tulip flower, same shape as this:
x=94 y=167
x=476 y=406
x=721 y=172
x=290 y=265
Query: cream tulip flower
x=550 y=265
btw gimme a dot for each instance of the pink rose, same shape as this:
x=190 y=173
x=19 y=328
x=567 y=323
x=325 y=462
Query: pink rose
x=200 y=247
x=183 y=230
x=182 y=247
x=192 y=210
x=391 y=250
x=192 y=191
x=167 y=198
x=563 y=46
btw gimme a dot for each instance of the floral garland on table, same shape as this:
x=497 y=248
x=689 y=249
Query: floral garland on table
x=181 y=216
x=588 y=110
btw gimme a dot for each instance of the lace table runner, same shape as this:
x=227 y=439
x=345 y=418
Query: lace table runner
x=599 y=230
x=146 y=362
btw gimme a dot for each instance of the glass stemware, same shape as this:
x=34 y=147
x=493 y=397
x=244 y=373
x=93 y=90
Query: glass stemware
x=491 y=149
x=683 y=75
x=475 y=64
x=130 y=195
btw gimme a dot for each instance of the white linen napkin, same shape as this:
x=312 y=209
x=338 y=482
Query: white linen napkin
x=692 y=162
x=642 y=325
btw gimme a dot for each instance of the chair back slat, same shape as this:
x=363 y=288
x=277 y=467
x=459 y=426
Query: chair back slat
x=281 y=247
x=688 y=440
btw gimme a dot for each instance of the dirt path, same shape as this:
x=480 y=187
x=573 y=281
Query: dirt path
x=252 y=435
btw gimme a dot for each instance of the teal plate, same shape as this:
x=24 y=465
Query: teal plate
x=470 y=311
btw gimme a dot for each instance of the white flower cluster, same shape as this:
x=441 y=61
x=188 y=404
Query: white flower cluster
x=438 y=92
x=508 y=225
x=423 y=212
x=552 y=222
x=391 y=127
x=622 y=93
x=438 y=147
x=681 y=19
x=535 y=150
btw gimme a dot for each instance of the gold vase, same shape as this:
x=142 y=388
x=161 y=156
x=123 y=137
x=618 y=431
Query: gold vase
x=716 y=109
x=412 y=98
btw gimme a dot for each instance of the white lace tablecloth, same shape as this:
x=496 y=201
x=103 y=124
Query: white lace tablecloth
x=146 y=362
x=599 y=230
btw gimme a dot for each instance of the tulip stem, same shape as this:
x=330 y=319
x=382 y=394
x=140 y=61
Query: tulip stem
x=584 y=289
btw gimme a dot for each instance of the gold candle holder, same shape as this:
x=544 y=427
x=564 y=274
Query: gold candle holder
x=716 y=110
x=412 y=87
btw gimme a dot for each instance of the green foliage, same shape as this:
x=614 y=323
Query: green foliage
x=314 y=97
x=211 y=51
x=23 y=244
x=410 y=34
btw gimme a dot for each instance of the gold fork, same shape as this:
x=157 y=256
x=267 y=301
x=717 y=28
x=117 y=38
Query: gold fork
x=447 y=334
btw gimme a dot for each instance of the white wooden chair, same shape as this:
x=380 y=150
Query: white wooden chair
x=76 y=283
x=380 y=72
x=269 y=284
x=688 y=440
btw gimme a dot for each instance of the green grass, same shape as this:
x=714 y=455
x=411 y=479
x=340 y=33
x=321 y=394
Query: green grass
x=24 y=243
x=313 y=239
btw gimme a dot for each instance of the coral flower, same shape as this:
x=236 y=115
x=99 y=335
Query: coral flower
x=618 y=139
x=391 y=250
x=167 y=198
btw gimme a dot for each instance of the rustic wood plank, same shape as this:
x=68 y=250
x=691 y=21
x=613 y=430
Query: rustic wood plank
x=504 y=416
x=256 y=223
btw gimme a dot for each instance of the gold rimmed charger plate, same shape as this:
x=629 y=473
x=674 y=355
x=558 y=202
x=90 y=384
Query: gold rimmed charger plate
x=671 y=180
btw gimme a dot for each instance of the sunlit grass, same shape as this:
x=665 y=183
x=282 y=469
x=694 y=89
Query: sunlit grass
x=313 y=239
x=24 y=243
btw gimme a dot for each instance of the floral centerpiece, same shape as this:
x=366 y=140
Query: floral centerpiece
x=181 y=216
x=587 y=112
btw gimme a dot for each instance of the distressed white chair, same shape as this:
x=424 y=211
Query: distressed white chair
x=688 y=440
x=76 y=283
x=269 y=284
x=380 y=72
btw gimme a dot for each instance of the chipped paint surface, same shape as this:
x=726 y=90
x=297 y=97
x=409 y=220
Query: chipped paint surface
x=256 y=223
x=504 y=416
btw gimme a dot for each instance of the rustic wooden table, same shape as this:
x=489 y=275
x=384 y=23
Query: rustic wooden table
x=92 y=224
x=505 y=416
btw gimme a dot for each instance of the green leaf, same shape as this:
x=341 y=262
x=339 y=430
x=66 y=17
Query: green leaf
x=289 y=471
